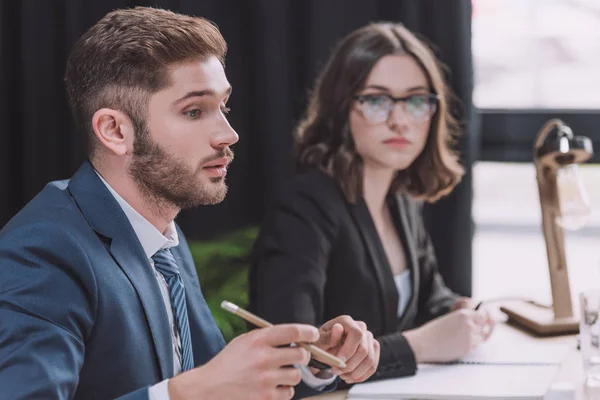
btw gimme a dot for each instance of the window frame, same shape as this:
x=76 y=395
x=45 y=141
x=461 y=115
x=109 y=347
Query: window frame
x=507 y=135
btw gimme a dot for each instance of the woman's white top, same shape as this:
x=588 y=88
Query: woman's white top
x=403 y=283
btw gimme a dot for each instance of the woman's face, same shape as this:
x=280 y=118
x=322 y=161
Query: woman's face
x=388 y=133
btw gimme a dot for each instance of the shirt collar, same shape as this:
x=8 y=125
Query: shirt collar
x=152 y=239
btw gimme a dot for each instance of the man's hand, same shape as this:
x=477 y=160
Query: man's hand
x=252 y=366
x=350 y=341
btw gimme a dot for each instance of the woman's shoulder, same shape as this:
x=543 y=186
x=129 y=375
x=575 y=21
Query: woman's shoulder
x=315 y=184
x=313 y=194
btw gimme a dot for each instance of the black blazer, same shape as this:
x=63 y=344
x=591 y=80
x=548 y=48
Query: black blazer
x=318 y=256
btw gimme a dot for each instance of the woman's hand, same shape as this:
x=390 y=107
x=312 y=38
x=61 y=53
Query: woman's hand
x=469 y=303
x=449 y=337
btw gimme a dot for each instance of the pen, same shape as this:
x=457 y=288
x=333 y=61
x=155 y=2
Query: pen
x=319 y=354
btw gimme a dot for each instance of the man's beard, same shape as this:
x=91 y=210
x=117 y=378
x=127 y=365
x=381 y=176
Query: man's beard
x=162 y=178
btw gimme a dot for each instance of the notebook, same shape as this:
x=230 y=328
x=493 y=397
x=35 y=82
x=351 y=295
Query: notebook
x=510 y=365
x=462 y=382
x=510 y=347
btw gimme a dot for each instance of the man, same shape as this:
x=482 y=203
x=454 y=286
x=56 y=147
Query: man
x=98 y=293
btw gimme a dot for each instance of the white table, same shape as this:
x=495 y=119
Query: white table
x=570 y=372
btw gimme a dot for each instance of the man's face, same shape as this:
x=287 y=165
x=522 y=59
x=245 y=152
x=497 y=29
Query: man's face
x=181 y=153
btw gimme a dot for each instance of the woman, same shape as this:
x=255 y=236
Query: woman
x=346 y=235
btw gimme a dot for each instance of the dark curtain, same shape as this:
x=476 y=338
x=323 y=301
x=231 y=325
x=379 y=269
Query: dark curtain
x=276 y=48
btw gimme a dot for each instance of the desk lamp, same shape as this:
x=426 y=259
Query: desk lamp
x=565 y=205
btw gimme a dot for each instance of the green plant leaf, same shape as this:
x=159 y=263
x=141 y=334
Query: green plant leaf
x=222 y=267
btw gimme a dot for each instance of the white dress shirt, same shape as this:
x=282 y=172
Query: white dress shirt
x=404 y=285
x=152 y=240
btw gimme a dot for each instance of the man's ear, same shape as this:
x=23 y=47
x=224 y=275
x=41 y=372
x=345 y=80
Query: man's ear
x=114 y=130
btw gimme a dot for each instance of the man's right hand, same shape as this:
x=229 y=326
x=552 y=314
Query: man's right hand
x=251 y=366
x=449 y=337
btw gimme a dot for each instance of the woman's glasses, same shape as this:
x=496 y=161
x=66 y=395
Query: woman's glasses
x=377 y=108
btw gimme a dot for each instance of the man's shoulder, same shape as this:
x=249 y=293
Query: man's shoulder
x=50 y=216
x=49 y=243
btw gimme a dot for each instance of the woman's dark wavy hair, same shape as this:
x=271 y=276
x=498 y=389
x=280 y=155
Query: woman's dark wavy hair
x=323 y=136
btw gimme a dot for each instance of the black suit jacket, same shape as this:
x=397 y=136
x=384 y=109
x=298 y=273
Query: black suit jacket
x=318 y=256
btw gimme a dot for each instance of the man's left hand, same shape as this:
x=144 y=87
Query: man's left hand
x=350 y=341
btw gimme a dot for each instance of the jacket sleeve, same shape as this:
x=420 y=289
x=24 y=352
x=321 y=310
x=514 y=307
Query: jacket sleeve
x=436 y=299
x=47 y=309
x=289 y=261
x=289 y=264
x=397 y=358
x=48 y=305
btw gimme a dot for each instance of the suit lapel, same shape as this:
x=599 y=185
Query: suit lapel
x=207 y=339
x=131 y=258
x=379 y=263
x=107 y=218
x=401 y=218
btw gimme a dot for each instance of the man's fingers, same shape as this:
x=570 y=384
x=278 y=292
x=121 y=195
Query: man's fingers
x=288 y=356
x=286 y=377
x=356 y=346
x=360 y=354
x=342 y=320
x=284 y=393
x=338 y=320
x=364 y=365
x=330 y=338
x=284 y=334
x=373 y=369
x=353 y=339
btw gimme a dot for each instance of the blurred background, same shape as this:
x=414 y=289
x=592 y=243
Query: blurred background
x=513 y=64
x=533 y=60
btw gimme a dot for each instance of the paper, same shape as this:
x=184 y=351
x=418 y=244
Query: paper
x=512 y=347
x=521 y=382
x=510 y=365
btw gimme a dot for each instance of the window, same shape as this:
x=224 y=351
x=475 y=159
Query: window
x=509 y=252
x=534 y=60
x=537 y=53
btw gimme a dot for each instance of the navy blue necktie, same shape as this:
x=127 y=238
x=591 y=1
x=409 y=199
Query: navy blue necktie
x=165 y=264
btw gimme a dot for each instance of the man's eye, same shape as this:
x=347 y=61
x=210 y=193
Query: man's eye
x=193 y=113
x=225 y=110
